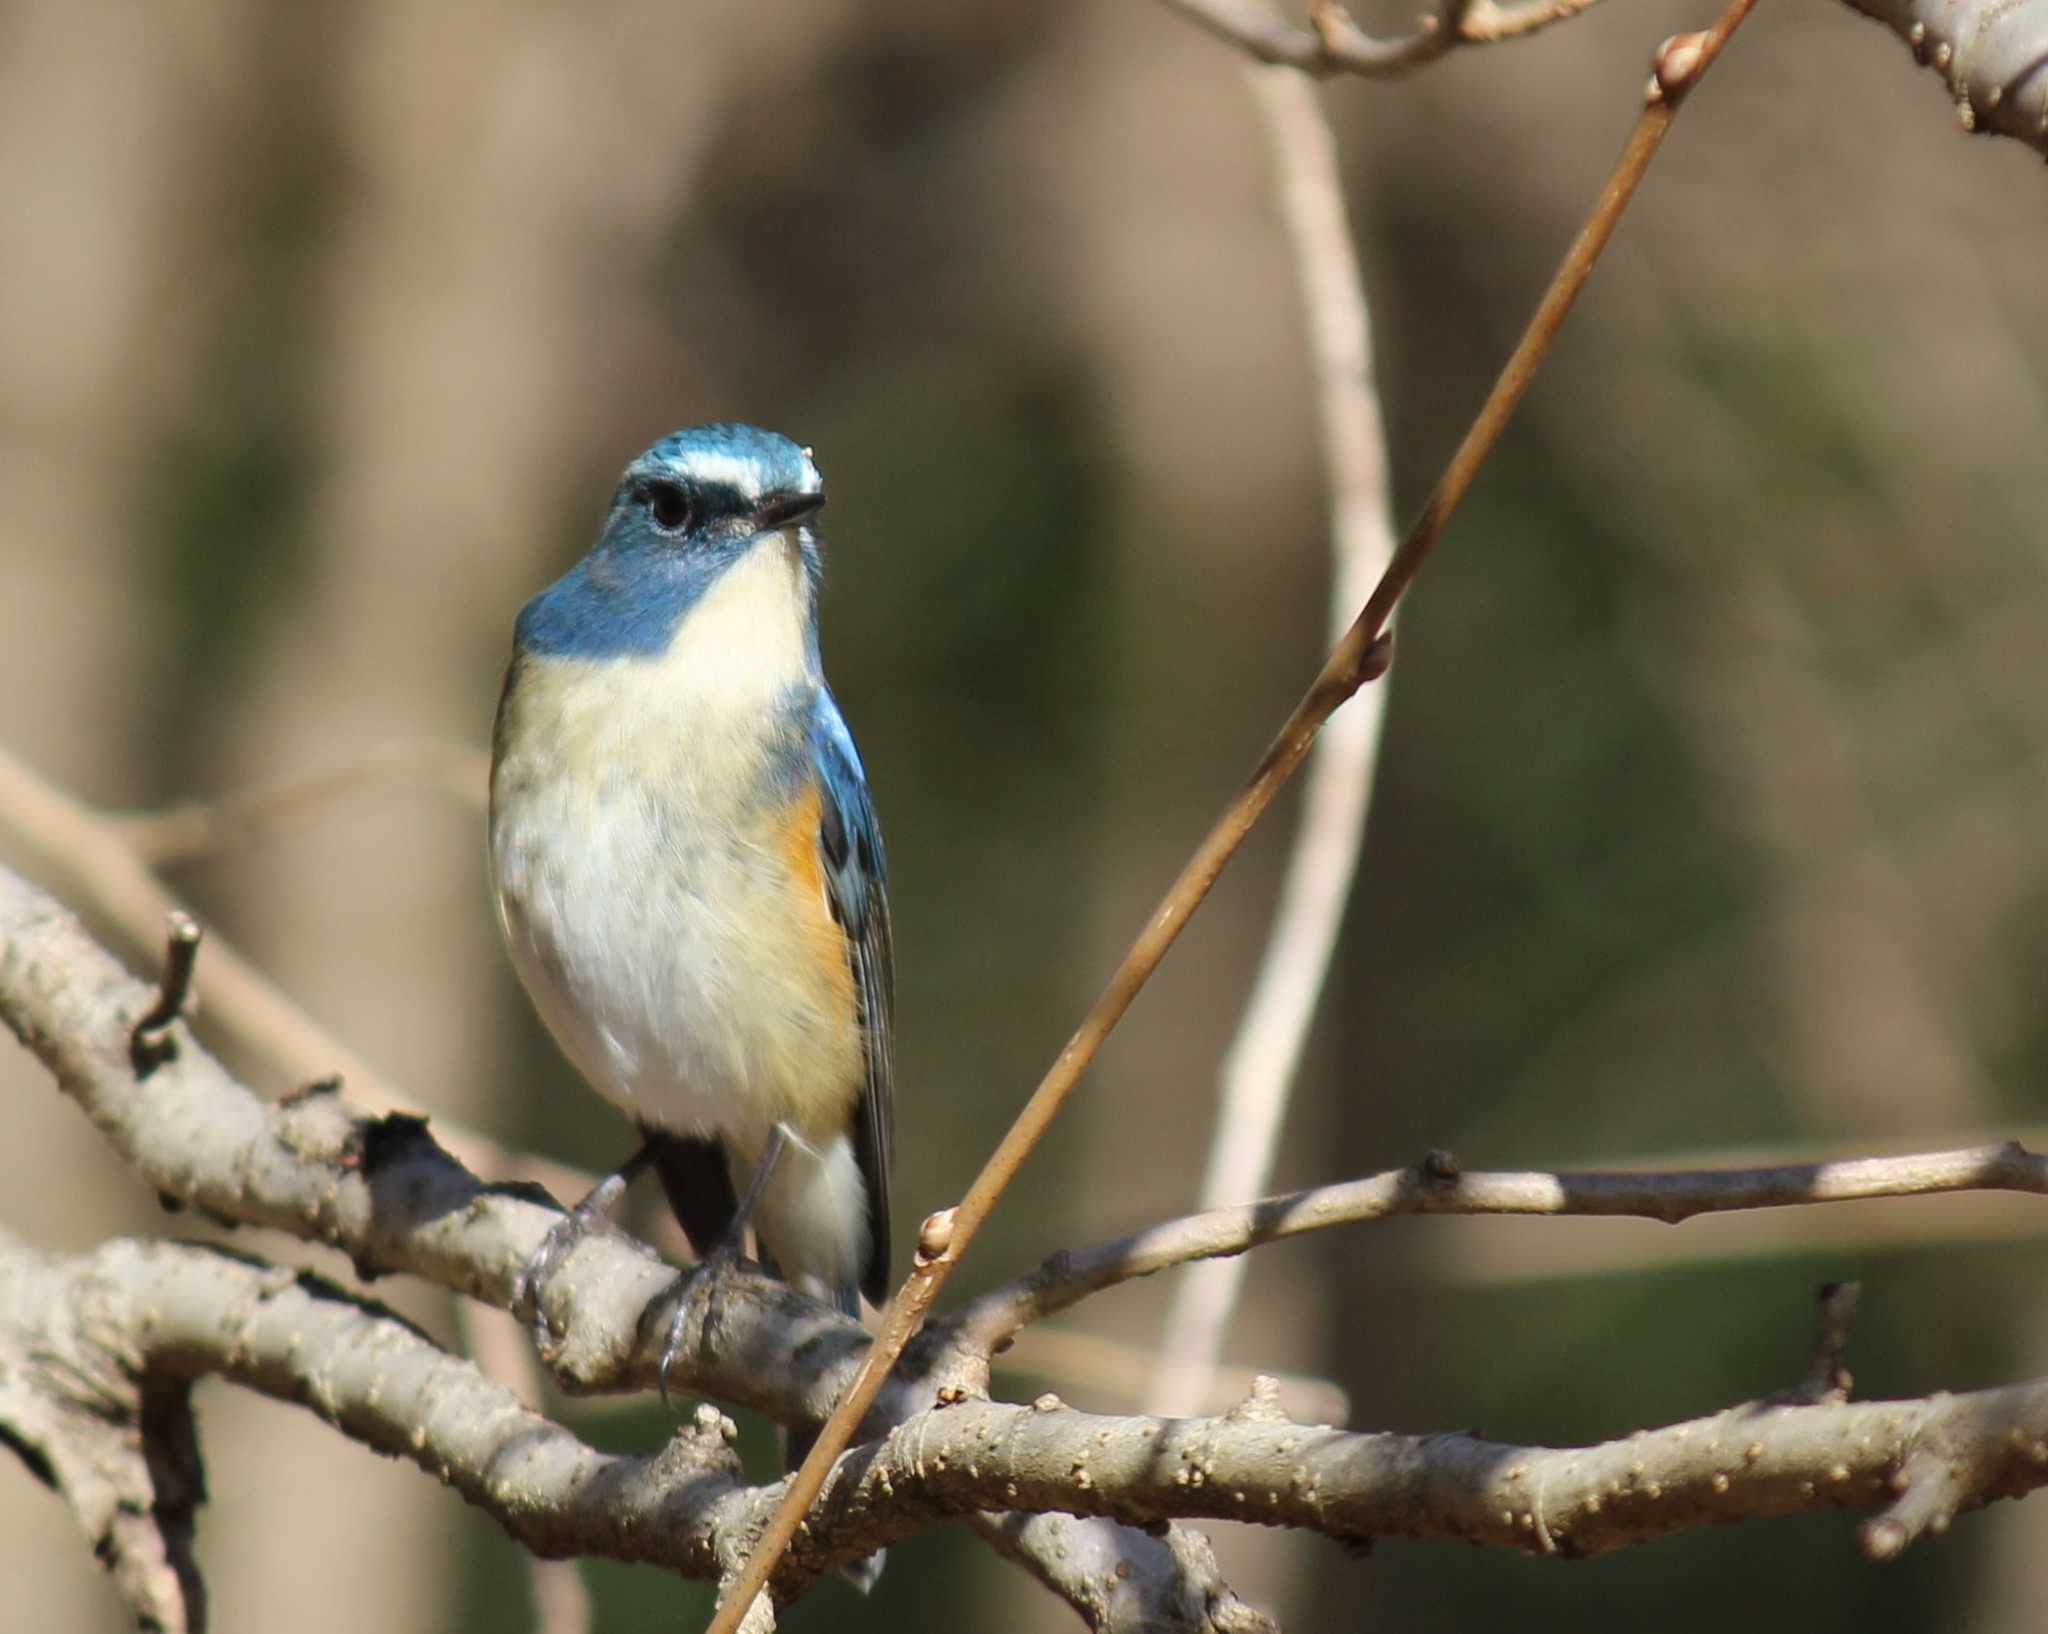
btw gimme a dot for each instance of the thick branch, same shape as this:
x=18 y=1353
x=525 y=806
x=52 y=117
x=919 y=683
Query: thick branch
x=135 y=1322
x=1991 y=54
x=1919 y=1463
x=383 y=1193
x=1437 y=1187
x=119 y=1449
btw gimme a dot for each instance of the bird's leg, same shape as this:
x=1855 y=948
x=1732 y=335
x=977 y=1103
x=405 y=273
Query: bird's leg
x=743 y=1216
x=565 y=1233
x=726 y=1249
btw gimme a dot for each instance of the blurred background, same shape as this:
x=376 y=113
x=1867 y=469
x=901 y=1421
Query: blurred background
x=1716 y=780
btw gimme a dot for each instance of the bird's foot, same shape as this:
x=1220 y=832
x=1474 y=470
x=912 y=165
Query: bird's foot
x=562 y=1241
x=592 y=1212
x=724 y=1254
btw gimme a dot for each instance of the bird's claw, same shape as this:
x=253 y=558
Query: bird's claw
x=722 y=1256
x=540 y=1268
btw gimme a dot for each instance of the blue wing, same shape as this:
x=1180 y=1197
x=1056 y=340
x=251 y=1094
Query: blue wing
x=857 y=886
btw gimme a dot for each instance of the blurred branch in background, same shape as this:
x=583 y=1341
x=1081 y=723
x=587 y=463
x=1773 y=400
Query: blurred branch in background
x=1260 y=1066
x=1987 y=52
x=202 y=828
x=1334 y=44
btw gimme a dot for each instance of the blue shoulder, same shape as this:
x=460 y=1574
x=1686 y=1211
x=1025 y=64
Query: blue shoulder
x=856 y=848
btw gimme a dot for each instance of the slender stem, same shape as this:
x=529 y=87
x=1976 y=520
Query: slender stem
x=1259 y=1068
x=1357 y=657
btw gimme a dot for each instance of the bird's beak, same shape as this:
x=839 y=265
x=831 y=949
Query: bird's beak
x=779 y=513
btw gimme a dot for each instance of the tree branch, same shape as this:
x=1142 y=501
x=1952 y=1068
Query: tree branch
x=1918 y=1463
x=1992 y=57
x=121 y=1450
x=382 y=1192
x=1436 y=1186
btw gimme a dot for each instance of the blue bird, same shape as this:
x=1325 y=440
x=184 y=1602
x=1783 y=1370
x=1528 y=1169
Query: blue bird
x=688 y=871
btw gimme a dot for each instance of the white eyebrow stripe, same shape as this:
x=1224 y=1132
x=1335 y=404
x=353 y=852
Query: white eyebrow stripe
x=743 y=476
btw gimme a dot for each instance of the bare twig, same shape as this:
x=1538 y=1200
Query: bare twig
x=1487 y=22
x=1827 y=1375
x=1492 y=1258
x=1259 y=1068
x=181 y=951
x=1361 y=654
x=1071 y=1275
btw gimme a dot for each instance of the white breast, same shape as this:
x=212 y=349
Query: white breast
x=646 y=889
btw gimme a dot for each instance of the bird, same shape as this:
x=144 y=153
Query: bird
x=688 y=871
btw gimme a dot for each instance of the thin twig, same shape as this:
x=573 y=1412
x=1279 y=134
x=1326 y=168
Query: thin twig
x=1487 y=23
x=1259 y=1068
x=944 y=1240
x=1070 y=1276
x=147 y=1043
x=1827 y=1375
x=1497 y=1258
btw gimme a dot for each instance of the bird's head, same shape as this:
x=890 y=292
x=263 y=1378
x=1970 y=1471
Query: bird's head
x=712 y=486
x=686 y=514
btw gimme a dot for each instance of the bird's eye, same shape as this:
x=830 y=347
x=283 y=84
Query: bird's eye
x=668 y=505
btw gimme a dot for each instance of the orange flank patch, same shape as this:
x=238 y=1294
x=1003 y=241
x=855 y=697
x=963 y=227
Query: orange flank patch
x=820 y=934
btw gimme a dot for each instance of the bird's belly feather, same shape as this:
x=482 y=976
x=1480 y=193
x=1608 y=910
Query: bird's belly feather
x=656 y=910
